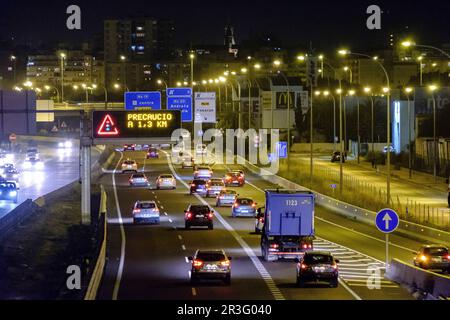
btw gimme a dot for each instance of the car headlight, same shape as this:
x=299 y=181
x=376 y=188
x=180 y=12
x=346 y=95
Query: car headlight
x=13 y=193
x=60 y=144
x=68 y=144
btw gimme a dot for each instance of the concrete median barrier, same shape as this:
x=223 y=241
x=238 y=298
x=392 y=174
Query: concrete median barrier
x=422 y=283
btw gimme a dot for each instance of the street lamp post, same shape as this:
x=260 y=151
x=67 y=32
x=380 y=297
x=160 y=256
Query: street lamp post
x=47 y=87
x=191 y=58
x=432 y=89
x=288 y=111
x=408 y=90
x=420 y=70
x=13 y=60
x=368 y=91
x=160 y=82
x=62 y=56
x=124 y=60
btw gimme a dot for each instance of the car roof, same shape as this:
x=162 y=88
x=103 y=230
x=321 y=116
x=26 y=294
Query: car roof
x=244 y=198
x=211 y=251
x=145 y=201
x=435 y=245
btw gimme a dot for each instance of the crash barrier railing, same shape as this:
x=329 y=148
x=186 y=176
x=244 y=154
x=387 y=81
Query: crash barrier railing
x=427 y=284
x=97 y=274
x=15 y=217
x=406 y=228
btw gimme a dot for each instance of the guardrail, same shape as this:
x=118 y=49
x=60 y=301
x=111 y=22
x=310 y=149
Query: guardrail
x=97 y=274
x=423 y=283
x=15 y=217
x=405 y=228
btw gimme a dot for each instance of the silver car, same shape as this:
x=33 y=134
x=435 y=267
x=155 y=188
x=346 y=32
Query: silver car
x=166 y=181
x=145 y=211
x=226 y=198
x=203 y=173
x=214 y=187
x=138 y=179
x=211 y=265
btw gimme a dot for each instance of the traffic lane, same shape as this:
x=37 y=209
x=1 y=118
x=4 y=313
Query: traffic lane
x=246 y=281
x=282 y=272
x=153 y=264
x=357 y=270
x=59 y=170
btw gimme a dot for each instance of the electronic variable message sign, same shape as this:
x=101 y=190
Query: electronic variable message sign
x=135 y=124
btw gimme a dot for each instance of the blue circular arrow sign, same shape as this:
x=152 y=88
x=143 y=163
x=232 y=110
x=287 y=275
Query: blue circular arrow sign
x=387 y=220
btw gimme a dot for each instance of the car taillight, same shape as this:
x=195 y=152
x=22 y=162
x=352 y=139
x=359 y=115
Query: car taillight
x=261 y=220
x=303 y=266
x=160 y=180
x=274 y=245
x=196 y=172
x=423 y=258
x=189 y=215
x=221 y=197
x=448 y=257
x=254 y=205
x=210 y=215
x=228 y=178
x=235 y=205
x=225 y=263
x=136 y=210
x=310 y=246
x=197 y=263
x=335 y=266
x=193 y=185
x=240 y=178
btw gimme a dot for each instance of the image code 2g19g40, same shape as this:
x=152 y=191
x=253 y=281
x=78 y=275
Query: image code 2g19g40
x=135 y=124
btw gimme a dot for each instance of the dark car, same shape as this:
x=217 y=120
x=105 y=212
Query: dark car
x=129 y=147
x=433 y=256
x=234 y=178
x=317 y=266
x=152 y=153
x=198 y=215
x=211 y=265
x=198 y=186
x=336 y=157
x=8 y=191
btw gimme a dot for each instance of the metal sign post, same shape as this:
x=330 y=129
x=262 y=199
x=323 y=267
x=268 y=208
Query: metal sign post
x=387 y=221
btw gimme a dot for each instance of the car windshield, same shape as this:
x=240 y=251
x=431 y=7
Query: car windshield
x=199 y=182
x=152 y=150
x=200 y=209
x=139 y=175
x=146 y=205
x=436 y=251
x=129 y=162
x=217 y=183
x=229 y=192
x=210 y=256
x=166 y=176
x=203 y=168
x=318 y=259
x=245 y=202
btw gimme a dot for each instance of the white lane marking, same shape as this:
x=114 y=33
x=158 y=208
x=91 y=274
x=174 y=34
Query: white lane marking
x=187 y=260
x=162 y=207
x=165 y=213
x=276 y=293
x=170 y=220
x=180 y=237
x=194 y=292
x=122 y=234
x=342 y=282
x=156 y=197
x=183 y=247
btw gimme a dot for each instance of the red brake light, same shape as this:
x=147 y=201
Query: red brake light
x=448 y=257
x=305 y=246
x=303 y=266
x=235 y=205
x=261 y=220
x=193 y=185
x=189 y=215
x=274 y=245
x=197 y=263
x=253 y=205
x=210 y=215
x=335 y=266
x=136 y=210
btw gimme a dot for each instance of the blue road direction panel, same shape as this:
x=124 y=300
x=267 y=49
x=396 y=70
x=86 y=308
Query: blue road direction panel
x=282 y=149
x=148 y=100
x=180 y=99
x=387 y=220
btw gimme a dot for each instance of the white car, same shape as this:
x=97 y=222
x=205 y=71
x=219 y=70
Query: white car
x=203 y=173
x=187 y=161
x=138 y=179
x=214 y=187
x=145 y=211
x=66 y=144
x=129 y=165
x=166 y=181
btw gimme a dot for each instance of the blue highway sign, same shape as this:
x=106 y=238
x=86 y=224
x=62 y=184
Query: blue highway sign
x=387 y=220
x=180 y=99
x=136 y=100
x=282 y=150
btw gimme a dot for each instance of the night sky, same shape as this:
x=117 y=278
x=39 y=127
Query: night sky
x=324 y=23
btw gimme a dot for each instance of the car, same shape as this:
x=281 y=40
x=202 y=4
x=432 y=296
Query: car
x=11 y=174
x=317 y=266
x=198 y=215
x=336 y=157
x=187 y=161
x=259 y=219
x=226 y=197
x=152 y=153
x=211 y=265
x=433 y=256
x=214 y=187
x=166 y=181
x=200 y=149
x=65 y=145
x=9 y=191
x=138 y=179
x=203 y=172
x=129 y=147
x=243 y=207
x=146 y=212
x=198 y=186
x=129 y=165
x=33 y=163
x=32 y=154
x=233 y=178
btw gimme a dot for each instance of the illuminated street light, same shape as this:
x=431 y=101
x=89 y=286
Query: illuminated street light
x=408 y=90
x=244 y=70
x=116 y=86
x=257 y=66
x=178 y=84
x=432 y=88
x=301 y=57
x=222 y=79
x=277 y=63
x=343 y=52
x=28 y=84
x=204 y=82
x=17 y=88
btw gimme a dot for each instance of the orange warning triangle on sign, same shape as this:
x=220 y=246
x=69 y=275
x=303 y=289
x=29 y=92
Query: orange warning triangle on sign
x=107 y=128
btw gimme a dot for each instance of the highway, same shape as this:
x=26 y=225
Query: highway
x=150 y=261
x=60 y=168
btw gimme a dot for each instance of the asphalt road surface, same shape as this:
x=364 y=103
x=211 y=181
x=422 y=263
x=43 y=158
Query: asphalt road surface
x=150 y=261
